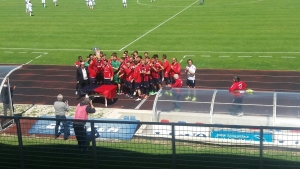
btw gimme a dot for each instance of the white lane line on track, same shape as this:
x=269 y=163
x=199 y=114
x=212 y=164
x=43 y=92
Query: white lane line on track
x=245 y=56
x=158 y=26
x=265 y=56
x=288 y=57
x=224 y=56
x=141 y=103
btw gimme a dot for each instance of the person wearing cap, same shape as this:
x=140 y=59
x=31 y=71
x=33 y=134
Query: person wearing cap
x=61 y=107
x=237 y=89
x=82 y=77
x=81 y=114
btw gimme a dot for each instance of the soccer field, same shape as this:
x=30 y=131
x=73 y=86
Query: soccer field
x=226 y=34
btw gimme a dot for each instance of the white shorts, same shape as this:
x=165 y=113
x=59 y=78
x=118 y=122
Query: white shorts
x=30 y=9
x=54 y=0
x=43 y=1
x=90 y=3
x=124 y=1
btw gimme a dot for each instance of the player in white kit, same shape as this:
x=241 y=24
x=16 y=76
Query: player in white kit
x=55 y=2
x=44 y=3
x=87 y=2
x=124 y=3
x=91 y=4
x=30 y=8
x=26 y=3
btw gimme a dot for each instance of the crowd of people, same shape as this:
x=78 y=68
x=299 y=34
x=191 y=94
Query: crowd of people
x=135 y=75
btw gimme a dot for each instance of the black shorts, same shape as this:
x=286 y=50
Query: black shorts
x=137 y=85
x=191 y=83
x=107 y=82
x=156 y=81
x=151 y=81
x=167 y=80
x=128 y=84
x=145 y=84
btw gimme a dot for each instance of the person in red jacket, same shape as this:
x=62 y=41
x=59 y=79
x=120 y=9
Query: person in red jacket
x=129 y=79
x=177 y=85
x=92 y=68
x=108 y=73
x=175 y=69
x=237 y=89
x=138 y=78
x=145 y=72
x=167 y=69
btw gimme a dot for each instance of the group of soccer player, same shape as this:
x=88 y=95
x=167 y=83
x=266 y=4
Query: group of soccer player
x=135 y=75
x=28 y=5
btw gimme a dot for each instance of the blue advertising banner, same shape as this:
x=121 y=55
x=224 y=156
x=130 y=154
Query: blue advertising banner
x=102 y=130
x=240 y=135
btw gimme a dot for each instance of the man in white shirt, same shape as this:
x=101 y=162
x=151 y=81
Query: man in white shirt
x=30 y=8
x=124 y=3
x=26 y=3
x=44 y=3
x=91 y=4
x=190 y=70
x=82 y=77
x=55 y=2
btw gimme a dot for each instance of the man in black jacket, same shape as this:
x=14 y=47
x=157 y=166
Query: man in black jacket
x=82 y=77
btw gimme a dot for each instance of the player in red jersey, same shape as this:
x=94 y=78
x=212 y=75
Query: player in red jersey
x=175 y=69
x=155 y=70
x=129 y=78
x=145 y=78
x=92 y=68
x=108 y=73
x=167 y=69
x=138 y=77
x=122 y=74
x=237 y=89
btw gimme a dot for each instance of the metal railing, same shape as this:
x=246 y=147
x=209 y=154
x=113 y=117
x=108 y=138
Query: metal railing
x=30 y=144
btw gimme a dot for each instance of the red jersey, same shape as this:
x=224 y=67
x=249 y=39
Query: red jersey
x=237 y=86
x=137 y=73
x=108 y=71
x=128 y=74
x=122 y=70
x=146 y=69
x=175 y=70
x=92 y=69
x=155 y=74
x=167 y=68
x=178 y=83
x=77 y=63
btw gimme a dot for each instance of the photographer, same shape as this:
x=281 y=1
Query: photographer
x=81 y=113
x=61 y=107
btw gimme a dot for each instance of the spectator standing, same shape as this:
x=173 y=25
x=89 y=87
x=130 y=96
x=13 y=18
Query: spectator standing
x=167 y=69
x=82 y=77
x=190 y=70
x=108 y=73
x=237 y=89
x=61 y=107
x=175 y=69
x=81 y=114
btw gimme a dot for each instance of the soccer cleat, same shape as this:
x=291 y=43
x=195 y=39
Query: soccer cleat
x=76 y=93
x=188 y=98
x=166 y=93
x=151 y=93
x=171 y=94
x=194 y=99
x=177 y=109
x=138 y=99
x=131 y=97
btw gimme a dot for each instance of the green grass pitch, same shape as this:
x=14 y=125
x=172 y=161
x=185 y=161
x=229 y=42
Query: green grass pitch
x=224 y=34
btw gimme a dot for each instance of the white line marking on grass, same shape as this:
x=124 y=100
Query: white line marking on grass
x=22 y=52
x=8 y=52
x=205 y=56
x=245 y=56
x=28 y=62
x=224 y=56
x=185 y=57
x=158 y=26
x=141 y=103
x=38 y=56
x=265 y=56
x=288 y=57
x=38 y=52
